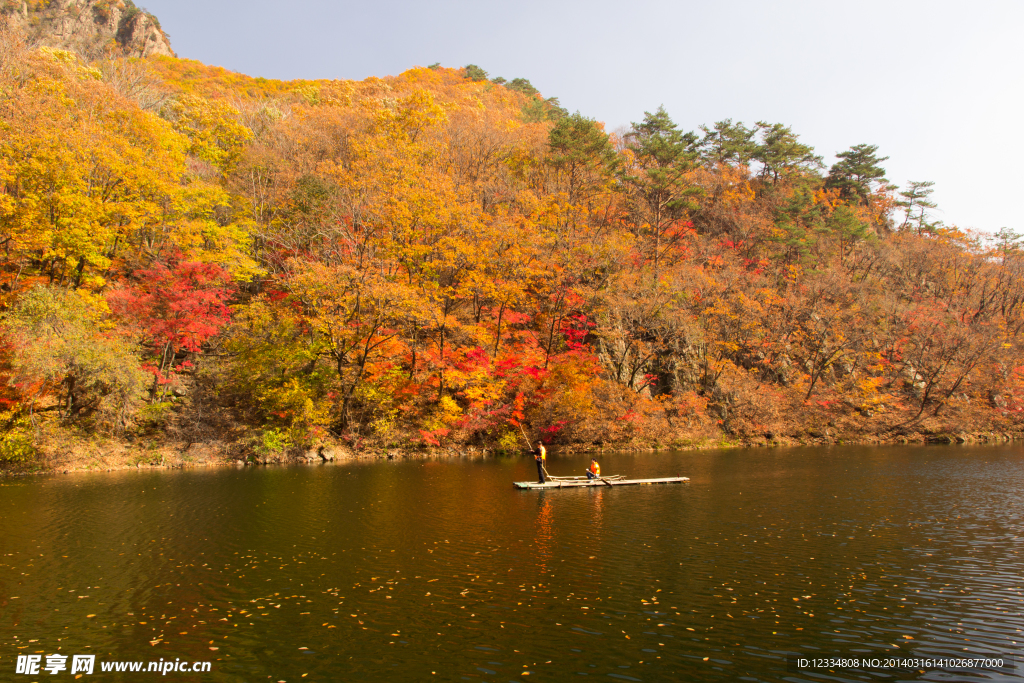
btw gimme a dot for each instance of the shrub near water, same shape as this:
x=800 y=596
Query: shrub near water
x=16 y=437
x=61 y=348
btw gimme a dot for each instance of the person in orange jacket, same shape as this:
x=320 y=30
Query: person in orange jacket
x=541 y=456
x=594 y=471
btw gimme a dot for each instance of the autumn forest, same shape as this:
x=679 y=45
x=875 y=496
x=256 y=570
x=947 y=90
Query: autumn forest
x=445 y=259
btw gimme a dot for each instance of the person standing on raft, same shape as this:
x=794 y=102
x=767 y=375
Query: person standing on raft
x=594 y=471
x=541 y=456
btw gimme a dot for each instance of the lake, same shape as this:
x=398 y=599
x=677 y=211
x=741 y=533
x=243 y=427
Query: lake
x=413 y=570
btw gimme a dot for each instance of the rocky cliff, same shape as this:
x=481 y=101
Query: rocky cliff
x=88 y=27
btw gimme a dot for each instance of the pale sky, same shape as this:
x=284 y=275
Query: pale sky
x=937 y=85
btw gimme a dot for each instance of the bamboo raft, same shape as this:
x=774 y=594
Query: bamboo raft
x=613 y=480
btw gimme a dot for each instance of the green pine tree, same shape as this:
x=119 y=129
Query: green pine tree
x=475 y=73
x=916 y=203
x=782 y=154
x=856 y=172
x=522 y=85
x=582 y=152
x=656 y=181
x=728 y=143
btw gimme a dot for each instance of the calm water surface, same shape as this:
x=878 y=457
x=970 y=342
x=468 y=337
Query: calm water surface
x=439 y=570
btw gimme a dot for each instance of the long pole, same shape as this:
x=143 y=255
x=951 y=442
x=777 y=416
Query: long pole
x=543 y=466
x=524 y=436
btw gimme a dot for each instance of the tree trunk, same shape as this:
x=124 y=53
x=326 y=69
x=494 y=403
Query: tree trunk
x=440 y=370
x=497 y=334
x=71 y=395
x=79 y=270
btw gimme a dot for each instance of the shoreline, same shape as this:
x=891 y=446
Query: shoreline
x=120 y=456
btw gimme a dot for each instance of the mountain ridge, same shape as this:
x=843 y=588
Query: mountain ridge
x=88 y=27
